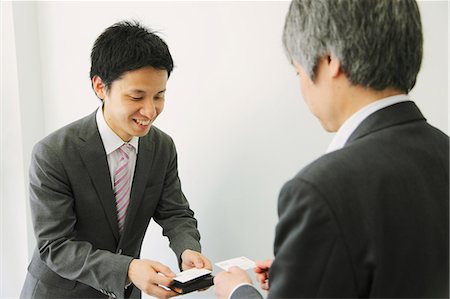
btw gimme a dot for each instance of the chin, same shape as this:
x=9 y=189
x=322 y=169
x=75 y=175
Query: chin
x=328 y=127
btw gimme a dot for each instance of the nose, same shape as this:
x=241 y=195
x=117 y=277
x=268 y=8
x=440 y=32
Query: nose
x=149 y=109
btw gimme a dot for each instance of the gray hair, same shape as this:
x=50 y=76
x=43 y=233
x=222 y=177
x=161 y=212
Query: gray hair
x=378 y=42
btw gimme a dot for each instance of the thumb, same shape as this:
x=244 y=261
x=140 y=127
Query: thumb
x=234 y=269
x=163 y=269
x=198 y=263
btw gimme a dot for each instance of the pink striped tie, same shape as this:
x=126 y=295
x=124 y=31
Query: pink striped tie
x=122 y=184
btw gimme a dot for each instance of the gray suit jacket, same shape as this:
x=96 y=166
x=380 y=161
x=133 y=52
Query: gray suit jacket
x=369 y=220
x=79 y=251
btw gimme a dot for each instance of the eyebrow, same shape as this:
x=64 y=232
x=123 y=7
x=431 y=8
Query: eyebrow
x=141 y=91
x=136 y=91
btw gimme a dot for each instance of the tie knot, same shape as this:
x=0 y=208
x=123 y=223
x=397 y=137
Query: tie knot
x=125 y=150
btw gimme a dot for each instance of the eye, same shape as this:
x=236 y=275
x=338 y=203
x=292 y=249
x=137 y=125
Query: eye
x=136 y=98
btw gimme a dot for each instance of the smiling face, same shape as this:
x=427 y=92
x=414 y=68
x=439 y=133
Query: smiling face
x=133 y=102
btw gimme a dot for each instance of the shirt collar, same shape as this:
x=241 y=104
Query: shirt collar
x=111 y=141
x=350 y=125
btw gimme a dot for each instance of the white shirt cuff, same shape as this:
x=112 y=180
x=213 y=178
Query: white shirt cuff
x=236 y=287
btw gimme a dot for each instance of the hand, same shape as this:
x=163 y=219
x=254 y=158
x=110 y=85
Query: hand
x=193 y=259
x=149 y=276
x=262 y=273
x=226 y=281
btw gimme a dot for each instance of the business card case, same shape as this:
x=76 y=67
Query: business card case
x=202 y=282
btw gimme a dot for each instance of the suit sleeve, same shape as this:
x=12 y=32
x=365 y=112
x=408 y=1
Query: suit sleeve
x=54 y=219
x=173 y=213
x=246 y=292
x=311 y=258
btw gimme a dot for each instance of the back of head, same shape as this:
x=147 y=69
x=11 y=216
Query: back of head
x=378 y=42
x=127 y=46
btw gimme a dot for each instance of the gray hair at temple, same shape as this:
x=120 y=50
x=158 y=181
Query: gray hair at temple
x=378 y=42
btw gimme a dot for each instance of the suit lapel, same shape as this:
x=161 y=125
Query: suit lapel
x=144 y=164
x=393 y=115
x=94 y=157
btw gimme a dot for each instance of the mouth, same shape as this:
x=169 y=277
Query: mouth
x=142 y=122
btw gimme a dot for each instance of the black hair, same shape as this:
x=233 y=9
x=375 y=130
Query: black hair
x=127 y=46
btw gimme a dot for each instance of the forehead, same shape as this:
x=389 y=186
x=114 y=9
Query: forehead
x=146 y=79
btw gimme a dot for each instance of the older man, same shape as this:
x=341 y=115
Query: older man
x=370 y=217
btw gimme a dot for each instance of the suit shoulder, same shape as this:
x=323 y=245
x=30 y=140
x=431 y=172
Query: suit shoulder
x=329 y=173
x=158 y=133
x=325 y=166
x=64 y=136
x=159 y=136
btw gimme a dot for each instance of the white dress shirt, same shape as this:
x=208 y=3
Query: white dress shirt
x=111 y=142
x=350 y=125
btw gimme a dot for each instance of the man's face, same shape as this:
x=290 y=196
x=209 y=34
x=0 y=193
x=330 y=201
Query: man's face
x=133 y=101
x=318 y=95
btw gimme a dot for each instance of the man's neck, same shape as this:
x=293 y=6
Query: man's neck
x=359 y=97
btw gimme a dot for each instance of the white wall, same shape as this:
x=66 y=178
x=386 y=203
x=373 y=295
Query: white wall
x=431 y=92
x=13 y=233
x=233 y=104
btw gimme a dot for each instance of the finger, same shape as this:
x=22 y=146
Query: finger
x=186 y=265
x=163 y=269
x=265 y=286
x=160 y=279
x=198 y=262
x=260 y=270
x=261 y=278
x=170 y=293
x=220 y=277
x=234 y=269
x=204 y=289
x=207 y=264
x=160 y=292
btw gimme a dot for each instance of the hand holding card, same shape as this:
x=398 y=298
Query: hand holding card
x=262 y=273
x=196 y=279
x=192 y=280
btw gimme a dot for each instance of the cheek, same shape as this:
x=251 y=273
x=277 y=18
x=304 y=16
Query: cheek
x=304 y=91
x=129 y=109
x=159 y=107
x=310 y=99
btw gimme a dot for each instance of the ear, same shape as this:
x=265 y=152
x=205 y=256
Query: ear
x=334 y=66
x=99 y=87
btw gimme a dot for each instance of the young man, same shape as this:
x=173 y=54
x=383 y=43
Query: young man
x=369 y=218
x=96 y=183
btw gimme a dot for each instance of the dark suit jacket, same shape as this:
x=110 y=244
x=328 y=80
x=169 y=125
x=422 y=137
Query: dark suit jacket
x=79 y=251
x=369 y=220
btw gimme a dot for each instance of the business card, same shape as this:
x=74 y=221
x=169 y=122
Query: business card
x=191 y=274
x=241 y=262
